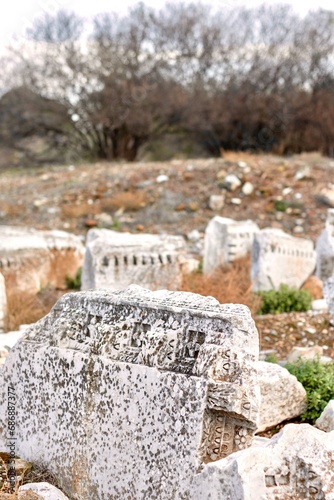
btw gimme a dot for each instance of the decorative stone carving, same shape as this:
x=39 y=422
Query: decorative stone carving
x=226 y=240
x=110 y=384
x=282 y=396
x=31 y=259
x=295 y=464
x=325 y=249
x=280 y=258
x=115 y=260
x=3 y=303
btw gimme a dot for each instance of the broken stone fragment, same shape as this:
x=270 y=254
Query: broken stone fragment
x=226 y=240
x=216 y=202
x=33 y=259
x=278 y=258
x=304 y=353
x=282 y=396
x=326 y=420
x=294 y=464
x=231 y=182
x=44 y=491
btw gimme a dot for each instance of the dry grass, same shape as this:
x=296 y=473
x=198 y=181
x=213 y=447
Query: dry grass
x=76 y=210
x=32 y=474
x=228 y=284
x=25 y=308
x=127 y=200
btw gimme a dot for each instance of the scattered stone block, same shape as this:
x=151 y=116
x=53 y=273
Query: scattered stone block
x=216 y=202
x=326 y=420
x=319 y=305
x=325 y=249
x=31 y=259
x=231 y=182
x=127 y=394
x=226 y=240
x=3 y=303
x=115 y=260
x=278 y=258
x=304 y=353
x=282 y=396
x=45 y=491
x=295 y=464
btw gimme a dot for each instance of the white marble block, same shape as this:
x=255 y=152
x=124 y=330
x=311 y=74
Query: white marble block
x=32 y=259
x=115 y=260
x=325 y=249
x=278 y=258
x=295 y=464
x=226 y=240
x=282 y=396
x=127 y=394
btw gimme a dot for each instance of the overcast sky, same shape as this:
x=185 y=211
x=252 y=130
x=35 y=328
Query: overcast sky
x=17 y=15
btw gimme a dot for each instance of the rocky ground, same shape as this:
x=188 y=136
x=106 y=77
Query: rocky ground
x=173 y=197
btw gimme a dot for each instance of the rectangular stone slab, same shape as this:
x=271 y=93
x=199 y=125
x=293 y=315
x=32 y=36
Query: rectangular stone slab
x=128 y=394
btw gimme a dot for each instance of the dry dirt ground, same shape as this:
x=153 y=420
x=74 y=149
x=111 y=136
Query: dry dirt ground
x=172 y=197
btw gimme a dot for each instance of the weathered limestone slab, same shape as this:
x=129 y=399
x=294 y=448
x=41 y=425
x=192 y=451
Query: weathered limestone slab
x=31 y=259
x=325 y=249
x=295 y=464
x=282 y=396
x=3 y=302
x=127 y=394
x=115 y=260
x=326 y=420
x=305 y=353
x=280 y=258
x=226 y=240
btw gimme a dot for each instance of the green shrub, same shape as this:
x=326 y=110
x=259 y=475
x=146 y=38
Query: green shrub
x=74 y=283
x=285 y=299
x=280 y=205
x=318 y=381
x=272 y=358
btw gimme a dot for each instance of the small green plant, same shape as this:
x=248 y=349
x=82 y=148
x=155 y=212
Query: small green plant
x=285 y=299
x=280 y=205
x=199 y=269
x=318 y=381
x=272 y=358
x=116 y=225
x=74 y=283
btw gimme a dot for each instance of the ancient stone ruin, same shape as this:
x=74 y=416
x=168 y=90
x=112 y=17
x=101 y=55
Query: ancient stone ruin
x=115 y=260
x=3 y=302
x=325 y=249
x=296 y=464
x=129 y=394
x=226 y=240
x=31 y=259
x=280 y=258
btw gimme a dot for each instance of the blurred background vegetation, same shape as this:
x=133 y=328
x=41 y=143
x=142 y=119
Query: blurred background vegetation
x=182 y=81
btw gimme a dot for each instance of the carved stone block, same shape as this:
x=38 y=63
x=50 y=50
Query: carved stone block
x=279 y=258
x=226 y=240
x=127 y=394
x=115 y=260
